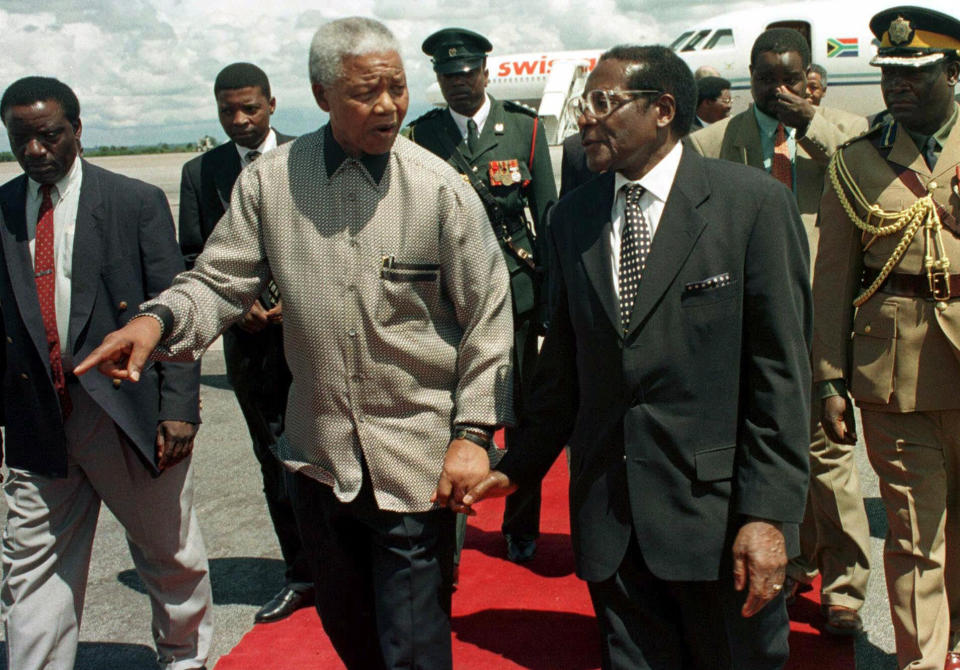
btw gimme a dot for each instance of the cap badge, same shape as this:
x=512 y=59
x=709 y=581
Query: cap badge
x=452 y=51
x=900 y=31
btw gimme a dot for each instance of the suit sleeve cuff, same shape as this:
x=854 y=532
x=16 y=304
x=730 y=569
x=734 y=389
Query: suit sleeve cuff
x=831 y=387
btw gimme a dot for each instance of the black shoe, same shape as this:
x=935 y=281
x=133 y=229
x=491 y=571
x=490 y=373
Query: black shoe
x=520 y=550
x=285 y=603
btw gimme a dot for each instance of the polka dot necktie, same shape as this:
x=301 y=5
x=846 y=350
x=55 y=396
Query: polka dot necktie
x=46 y=277
x=781 y=168
x=634 y=247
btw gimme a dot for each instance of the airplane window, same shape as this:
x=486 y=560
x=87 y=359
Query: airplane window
x=692 y=44
x=722 y=39
x=680 y=40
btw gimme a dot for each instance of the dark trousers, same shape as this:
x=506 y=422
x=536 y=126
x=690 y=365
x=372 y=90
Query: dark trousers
x=647 y=623
x=378 y=577
x=521 y=512
x=258 y=373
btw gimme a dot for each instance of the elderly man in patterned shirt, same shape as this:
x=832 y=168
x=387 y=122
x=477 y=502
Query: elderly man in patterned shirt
x=398 y=332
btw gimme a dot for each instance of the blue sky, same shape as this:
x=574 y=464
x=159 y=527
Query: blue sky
x=144 y=69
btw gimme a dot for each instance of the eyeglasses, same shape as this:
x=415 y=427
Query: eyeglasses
x=600 y=103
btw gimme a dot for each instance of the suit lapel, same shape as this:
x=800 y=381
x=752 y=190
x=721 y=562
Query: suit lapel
x=746 y=139
x=16 y=253
x=594 y=252
x=949 y=155
x=680 y=226
x=88 y=244
x=225 y=176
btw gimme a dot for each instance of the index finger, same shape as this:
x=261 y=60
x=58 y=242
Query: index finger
x=442 y=493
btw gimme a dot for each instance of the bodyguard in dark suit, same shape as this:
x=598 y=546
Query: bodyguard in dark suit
x=81 y=249
x=252 y=349
x=673 y=366
x=501 y=149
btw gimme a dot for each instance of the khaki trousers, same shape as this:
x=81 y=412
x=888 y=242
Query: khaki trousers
x=915 y=456
x=835 y=533
x=48 y=540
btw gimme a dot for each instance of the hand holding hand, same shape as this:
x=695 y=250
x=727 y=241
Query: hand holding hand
x=174 y=442
x=124 y=352
x=760 y=562
x=464 y=466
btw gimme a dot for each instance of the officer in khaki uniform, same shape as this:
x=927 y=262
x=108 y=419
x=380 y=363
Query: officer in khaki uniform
x=887 y=273
x=834 y=535
x=500 y=148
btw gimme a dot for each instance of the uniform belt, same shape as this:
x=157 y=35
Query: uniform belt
x=512 y=225
x=916 y=286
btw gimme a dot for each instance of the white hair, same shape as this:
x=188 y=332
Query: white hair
x=352 y=36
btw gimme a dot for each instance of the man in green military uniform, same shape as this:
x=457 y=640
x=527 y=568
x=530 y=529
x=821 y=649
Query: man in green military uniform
x=500 y=148
x=886 y=273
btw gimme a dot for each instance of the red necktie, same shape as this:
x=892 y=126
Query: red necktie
x=46 y=278
x=781 y=168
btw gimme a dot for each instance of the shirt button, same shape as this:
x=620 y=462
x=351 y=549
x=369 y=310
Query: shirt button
x=352 y=332
x=867 y=329
x=116 y=383
x=24 y=375
x=9 y=340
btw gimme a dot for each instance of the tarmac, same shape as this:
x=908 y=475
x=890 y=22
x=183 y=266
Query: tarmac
x=245 y=564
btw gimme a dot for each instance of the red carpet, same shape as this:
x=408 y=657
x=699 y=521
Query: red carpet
x=506 y=616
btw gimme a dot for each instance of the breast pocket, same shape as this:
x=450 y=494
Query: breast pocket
x=408 y=293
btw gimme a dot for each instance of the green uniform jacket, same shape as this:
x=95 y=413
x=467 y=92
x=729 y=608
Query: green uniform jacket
x=506 y=136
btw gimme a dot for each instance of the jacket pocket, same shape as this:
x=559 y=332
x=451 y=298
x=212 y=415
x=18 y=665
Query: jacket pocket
x=715 y=464
x=874 y=353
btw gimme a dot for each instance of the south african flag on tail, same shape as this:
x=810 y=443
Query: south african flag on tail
x=842 y=47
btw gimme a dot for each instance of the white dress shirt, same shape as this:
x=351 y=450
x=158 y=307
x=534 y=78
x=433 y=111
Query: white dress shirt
x=480 y=118
x=65 y=195
x=269 y=142
x=657 y=184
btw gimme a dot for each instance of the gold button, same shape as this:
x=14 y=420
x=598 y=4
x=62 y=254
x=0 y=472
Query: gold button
x=122 y=306
x=867 y=329
x=116 y=383
x=24 y=375
x=941 y=305
x=9 y=340
x=932 y=186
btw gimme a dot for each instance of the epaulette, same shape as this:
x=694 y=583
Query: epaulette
x=872 y=130
x=517 y=107
x=429 y=115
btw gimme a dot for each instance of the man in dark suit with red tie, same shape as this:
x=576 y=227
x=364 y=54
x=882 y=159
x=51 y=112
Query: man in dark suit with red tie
x=673 y=367
x=82 y=247
x=252 y=349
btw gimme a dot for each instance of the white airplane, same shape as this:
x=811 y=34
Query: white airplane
x=838 y=33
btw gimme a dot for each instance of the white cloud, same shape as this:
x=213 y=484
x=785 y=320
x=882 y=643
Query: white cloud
x=144 y=70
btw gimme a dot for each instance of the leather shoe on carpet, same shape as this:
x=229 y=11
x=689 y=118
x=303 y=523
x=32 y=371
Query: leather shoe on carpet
x=285 y=603
x=953 y=661
x=842 y=620
x=520 y=550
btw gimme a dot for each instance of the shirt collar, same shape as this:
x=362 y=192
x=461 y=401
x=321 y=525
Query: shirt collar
x=67 y=182
x=768 y=124
x=269 y=142
x=479 y=118
x=659 y=180
x=334 y=155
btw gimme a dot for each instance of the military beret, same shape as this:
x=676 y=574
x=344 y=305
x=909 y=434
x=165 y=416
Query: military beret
x=456 y=50
x=914 y=36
